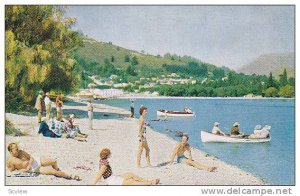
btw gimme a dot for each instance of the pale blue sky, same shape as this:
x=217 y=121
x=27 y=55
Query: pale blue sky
x=222 y=35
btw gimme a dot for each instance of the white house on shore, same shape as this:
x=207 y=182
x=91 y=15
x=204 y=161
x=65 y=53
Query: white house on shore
x=108 y=93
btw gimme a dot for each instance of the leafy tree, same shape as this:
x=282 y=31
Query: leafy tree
x=271 y=92
x=126 y=58
x=39 y=50
x=291 y=81
x=130 y=70
x=287 y=91
x=218 y=73
x=134 y=61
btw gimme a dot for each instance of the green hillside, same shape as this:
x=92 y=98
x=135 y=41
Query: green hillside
x=99 y=51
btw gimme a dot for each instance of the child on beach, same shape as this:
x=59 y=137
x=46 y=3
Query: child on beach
x=21 y=161
x=179 y=150
x=142 y=138
x=105 y=171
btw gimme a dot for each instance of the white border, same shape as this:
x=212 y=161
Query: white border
x=145 y=191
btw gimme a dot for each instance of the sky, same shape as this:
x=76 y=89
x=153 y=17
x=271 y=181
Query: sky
x=229 y=36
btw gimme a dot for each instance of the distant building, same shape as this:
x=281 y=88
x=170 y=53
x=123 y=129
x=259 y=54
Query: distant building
x=108 y=93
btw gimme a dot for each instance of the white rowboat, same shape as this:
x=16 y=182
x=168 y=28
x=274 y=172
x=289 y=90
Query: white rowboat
x=210 y=137
x=174 y=113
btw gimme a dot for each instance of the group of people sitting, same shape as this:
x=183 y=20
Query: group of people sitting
x=60 y=129
x=258 y=133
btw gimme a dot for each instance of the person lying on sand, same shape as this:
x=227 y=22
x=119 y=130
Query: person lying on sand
x=179 y=152
x=21 y=161
x=105 y=171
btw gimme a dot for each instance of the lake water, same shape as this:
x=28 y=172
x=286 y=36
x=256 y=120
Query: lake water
x=274 y=162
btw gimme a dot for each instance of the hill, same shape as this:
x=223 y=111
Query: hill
x=274 y=63
x=98 y=51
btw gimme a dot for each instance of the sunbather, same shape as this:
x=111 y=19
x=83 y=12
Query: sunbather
x=21 y=161
x=105 y=171
x=179 y=150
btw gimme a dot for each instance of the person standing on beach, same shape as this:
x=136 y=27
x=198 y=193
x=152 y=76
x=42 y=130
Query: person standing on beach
x=142 y=138
x=39 y=105
x=90 y=109
x=21 y=161
x=132 y=108
x=59 y=104
x=179 y=150
x=48 y=104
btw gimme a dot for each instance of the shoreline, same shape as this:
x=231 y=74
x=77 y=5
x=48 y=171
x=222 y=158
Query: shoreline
x=119 y=135
x=202 y=98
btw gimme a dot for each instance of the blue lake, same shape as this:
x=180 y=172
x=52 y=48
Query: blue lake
x=274 y=162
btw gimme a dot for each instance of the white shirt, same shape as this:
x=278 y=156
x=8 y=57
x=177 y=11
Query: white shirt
x=216 y=130
x=47 y=101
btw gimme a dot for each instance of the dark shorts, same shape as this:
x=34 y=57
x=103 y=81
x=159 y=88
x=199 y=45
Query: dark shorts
x=180 y=158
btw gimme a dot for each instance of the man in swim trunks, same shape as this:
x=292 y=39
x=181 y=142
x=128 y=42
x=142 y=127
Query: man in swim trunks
x=179 y=151
x=21 y=161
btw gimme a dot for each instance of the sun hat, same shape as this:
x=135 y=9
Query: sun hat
x=41 y=92
x=257 y=127
x=72 y=116
x=216 y=124
x=236 y=124
x=44 y=119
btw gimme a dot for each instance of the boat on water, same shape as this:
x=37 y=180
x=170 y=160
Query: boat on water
x=167 y=113
x=210 y=137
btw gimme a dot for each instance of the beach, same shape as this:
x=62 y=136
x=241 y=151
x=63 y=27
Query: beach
x=120 y=135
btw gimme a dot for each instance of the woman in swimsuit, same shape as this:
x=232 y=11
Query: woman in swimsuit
x=105 y=171
x=142 y=138
x=179 y=152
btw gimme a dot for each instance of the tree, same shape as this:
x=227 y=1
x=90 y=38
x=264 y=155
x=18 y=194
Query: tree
x=39 y=50
x=270 y=81
x=283 y=78
x=130 y=70
x=112 y=59
x=134 y=61
x=126 y=58
x=271 y=92
x=292 y=81
x=287 y=91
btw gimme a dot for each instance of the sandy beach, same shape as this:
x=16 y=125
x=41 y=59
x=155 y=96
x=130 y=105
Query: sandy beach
x=120 y=135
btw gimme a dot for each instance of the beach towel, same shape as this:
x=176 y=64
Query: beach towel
x=23 y=174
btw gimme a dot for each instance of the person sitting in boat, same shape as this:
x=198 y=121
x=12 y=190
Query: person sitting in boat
x=216 y=130
x=235 y=131
x=179 y=151
x=260 y=133
x=187 y=110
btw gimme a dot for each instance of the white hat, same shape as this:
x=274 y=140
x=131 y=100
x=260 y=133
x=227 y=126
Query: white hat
x=216 y=124
x=72 y=115
x=44 y=119
x=236 y=124
x=257 y=127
